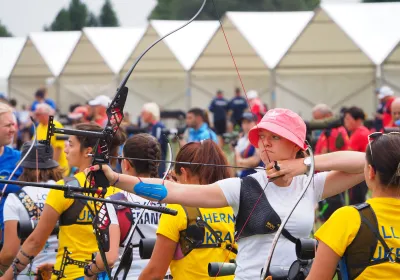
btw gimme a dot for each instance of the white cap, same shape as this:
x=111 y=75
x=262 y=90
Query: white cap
x=101 y=100
x=384 y=92
x=252 y=94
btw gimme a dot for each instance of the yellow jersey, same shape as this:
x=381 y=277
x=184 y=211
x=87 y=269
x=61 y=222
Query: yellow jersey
x=195 y=264
x=342 y=227
x=78 y=238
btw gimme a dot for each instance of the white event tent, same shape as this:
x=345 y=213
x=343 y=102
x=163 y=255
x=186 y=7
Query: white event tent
x=337 y=58
x=258 y=41
x=162 y=74
x=40 y=62
x=10 y=48
x=94 y=65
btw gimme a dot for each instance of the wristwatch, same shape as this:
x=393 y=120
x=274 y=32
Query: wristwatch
x=307 y=163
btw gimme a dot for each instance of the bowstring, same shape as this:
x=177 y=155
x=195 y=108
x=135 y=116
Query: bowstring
x=262 y=141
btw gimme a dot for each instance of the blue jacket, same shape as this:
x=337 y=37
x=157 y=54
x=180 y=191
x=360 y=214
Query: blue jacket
x=203 y=133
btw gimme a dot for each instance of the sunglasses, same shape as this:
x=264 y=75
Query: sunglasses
x=371 y=138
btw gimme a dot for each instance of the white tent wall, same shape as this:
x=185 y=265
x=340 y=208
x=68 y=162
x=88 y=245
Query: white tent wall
x=10 y=49
x=215 y=69
x=162 y=74
x=325 y=66
x=29 y=73
x=84 y=76
x=300 y=92
x=391 y=70
x=80 y=89
x=167 y=92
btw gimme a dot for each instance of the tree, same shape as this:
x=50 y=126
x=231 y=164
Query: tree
x=92 y=20
x=4 y=31
x=74 y=18
x=108 y=17
x=183 y=9
x=78 y=14
x=62 y=22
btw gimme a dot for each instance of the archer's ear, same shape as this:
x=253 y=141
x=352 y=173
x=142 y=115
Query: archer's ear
x=87 y=151
x=184 y=175
x=371 y=172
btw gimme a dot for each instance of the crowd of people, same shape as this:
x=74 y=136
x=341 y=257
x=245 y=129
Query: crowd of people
x=225 y=214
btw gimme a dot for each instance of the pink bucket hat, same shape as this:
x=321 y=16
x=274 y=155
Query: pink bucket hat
x=284 y=123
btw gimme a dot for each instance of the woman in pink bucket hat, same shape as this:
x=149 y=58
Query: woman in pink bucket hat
x=262 y=200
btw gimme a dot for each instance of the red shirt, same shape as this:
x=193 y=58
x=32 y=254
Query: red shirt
x=359 y=139
x=322 y=144
x=387 y=113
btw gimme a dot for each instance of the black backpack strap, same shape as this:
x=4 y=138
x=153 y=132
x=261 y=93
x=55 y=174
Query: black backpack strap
x=359 y=254
x=71 y=215
x=289 y=236
x=30 y=206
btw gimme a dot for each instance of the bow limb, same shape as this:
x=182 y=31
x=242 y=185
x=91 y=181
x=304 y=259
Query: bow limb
x=281 y=227
x=168 y=169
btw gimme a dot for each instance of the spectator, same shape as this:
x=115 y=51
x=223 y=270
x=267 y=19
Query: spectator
x=396 y=112
x=256 y=106
x=42 y=113
x=385 y=95
x=198 y=126
x=27 y=204
x=236 y=107
x=330 y=140
x=40 y=97
x=100 y=105
x=354 y=122
x=79 y=115
x=219 y=108
x=245 y=153
x=8 y=156
x=151 y=116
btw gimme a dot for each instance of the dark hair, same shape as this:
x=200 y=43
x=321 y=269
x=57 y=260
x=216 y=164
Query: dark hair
x=30 y=175
x=200 y=112
x=40 y=93
x=206 y=151
x=356 y=113
x=87 y=142
x=13 y=102
x=385 y=159
x=144 y=146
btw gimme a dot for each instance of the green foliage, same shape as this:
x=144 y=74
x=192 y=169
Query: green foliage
x=4 y=31
x=78 y=16
x=108 y=17
x=92 y=21
x=183 y=9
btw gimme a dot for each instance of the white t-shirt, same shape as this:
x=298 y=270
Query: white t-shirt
x=147 y=226
x=14 y=210
x=253 y=250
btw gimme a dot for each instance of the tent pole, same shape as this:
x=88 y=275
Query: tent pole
x=188 y=90
x=9 y=88
x=378 y=82
x=273 y=88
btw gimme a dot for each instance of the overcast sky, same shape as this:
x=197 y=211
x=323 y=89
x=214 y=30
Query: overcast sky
x=24 y=16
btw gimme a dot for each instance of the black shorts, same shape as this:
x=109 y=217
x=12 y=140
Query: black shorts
x=220 y=127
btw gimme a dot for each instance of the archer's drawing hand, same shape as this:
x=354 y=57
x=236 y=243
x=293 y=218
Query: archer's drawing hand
x=287 y=169
x=110 y=174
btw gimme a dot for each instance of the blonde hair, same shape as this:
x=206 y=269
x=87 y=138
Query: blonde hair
x=153 y=109
x=4 y=108
x=323 y=109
